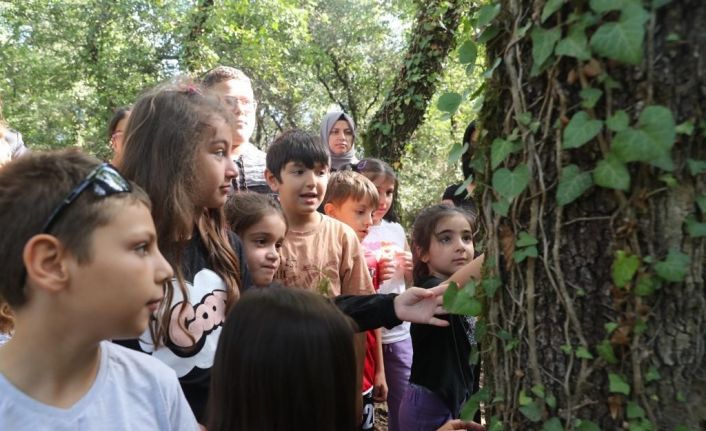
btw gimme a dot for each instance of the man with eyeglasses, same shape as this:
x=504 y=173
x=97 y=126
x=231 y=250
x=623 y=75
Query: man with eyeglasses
x=236 y=90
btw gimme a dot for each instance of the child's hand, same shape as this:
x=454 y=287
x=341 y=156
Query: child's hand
x=404 y=258
x=379 y=388
x=458 y=424
x=419 y=305
x=386 y=267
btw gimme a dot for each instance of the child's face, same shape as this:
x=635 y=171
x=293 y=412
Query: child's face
x=340 y=138
x=356 y=214
x=262 y=242
x=120 y=287
x=301 y=189
x=238 y=94
x=214 y=167
x=451 y=246
x=386 y=191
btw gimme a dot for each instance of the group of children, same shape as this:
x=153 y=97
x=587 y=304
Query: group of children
x=143 y=254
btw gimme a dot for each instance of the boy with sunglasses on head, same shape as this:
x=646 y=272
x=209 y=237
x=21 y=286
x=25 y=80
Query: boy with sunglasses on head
x=83 y=267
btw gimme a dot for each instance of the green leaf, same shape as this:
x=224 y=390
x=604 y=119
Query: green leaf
x=651 y=141
x=610 y=327
x=567 y=349
x=467 y=52
x=617 y=384
x=497 y=425
x=488 y=73
x=511 y=183
x=531 y=412
x=673 y=268
x=696 y=166
x=524 y=239
x=575 y=44
x=580 y=130
x=553 y=424
x=501 y=207
x=543 y=42
x=471 y=406
x=523 y=253
x=464 y=185
x=456 y=152
x=449 y=102
x=701 y=202
x=601 y=6
x=488 y=34
x=612 y=173
x=652 y=375
x=622 y=40
x=550 y=7
x=605 y=351
x=487 y=13
x=572 y=184
x=523 y=399
x=640 y=326
x=499 y=150
x=584 y=425
x=461 y=301
x=538 y=390
x=686 y=128
x=524 y=118
x=551 y=401
x=624 y=267
x=589 y=97
x=583 y=353
x=618 y=121
x=645 y=286
x=669 y=180
x=694 y=228
x=634 y=411
x=491 y=285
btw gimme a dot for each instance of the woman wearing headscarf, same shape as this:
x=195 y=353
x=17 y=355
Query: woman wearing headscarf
x=338 y=130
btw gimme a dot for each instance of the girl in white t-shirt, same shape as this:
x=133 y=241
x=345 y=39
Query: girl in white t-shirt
x=388 y=240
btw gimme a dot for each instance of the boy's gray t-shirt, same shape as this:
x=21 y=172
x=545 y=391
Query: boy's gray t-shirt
x=132 y=391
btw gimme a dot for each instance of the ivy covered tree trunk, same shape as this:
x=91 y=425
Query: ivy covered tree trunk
x=594 y=160
x=404 y=106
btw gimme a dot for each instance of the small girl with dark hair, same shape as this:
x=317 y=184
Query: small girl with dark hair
x=442 y=378
x=260 y=223
x=177 y=148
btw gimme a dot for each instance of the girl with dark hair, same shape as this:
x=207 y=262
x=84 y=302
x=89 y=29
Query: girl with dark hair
x=116 y=130
x=386 y=238
x=338 y=132
x=177 y=147
x=442 y=378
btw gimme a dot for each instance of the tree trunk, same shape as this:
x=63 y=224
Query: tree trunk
x=570 y=337
x=404 y=106
x=192 y=56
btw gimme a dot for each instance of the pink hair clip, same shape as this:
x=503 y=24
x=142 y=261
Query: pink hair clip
x=191 y=89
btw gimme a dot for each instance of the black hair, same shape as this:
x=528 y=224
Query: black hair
x=468 y=154
x=374 y=169
x=295 y=145
x=119 y=115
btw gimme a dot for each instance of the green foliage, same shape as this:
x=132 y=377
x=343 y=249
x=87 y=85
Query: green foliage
x=487 y=13
x=543 y=42
x=580 y=130
x=449 y=102
x=624 y=267
x=462 y=301
x=511 y=183
x=652 y=140
x=618 y=121
x=674 y=267
x=499 y=151
x=467 y=52
x=553 y=424
x=605 y=351
x=696 y=166
x=550 y=7
x=617 y=384
x=469 y=409
x=646 y=285
x=586 y=425
x=612 y=173
x=532 y=411
x=575 y=44
x=572 y=184
x=622 y=40
x=634 y=410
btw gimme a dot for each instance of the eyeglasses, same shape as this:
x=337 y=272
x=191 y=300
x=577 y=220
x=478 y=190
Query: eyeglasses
x=243 y=102
x=106 y=181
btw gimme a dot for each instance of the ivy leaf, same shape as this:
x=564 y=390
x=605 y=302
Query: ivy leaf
x=488 y=73
x=488 y=34
x=686 y=128
x=624 y=267
x=605 y=351
x=610 y=327
x=617 y=384
x=511 y=183
x=523 y=399
x=634 y=411
x=701 y=202
x=646 y=285
x=456 y=152
x=622 y=40
x=531 y=412
x=538 y=390
x=460 y=301
x=674 y=267
x=601 y=6
x=523 y=253
x=449 y=102
x=612 y=173
x=567 y=349
x=651 y=141
x=464 y=186
x=658 y=122
x=589 y=97
x=543 y=42
x=583 y=353
x=652 y=375
x=550 y=7
x=551 y=401
x=584 y=425
x=501 y=207
x=553 y=424
x=575 y=44
x=499 y=150
x=696 y=166
x=580 y=130
x=471 y=406
x=467 y=52
x=487 y=13
x=573 y=183
x=618 y=121
x=524 y=240
x=694 y=228
x=491 y=285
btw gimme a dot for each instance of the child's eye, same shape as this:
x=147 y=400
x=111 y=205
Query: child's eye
x=142 y=249
x=444 y=239
x=278 y=245
x=467 y=238
x=220 y=153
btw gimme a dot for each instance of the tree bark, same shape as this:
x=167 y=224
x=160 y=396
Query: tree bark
x=547 y=320
x=404 y=106
x=192 y=57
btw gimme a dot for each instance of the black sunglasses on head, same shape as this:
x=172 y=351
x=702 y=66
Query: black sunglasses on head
x=104 y=179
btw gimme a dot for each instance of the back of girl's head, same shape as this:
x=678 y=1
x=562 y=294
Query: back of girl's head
x=374 y=169
x=423 y=231
x=285 y=361
x=243 y=210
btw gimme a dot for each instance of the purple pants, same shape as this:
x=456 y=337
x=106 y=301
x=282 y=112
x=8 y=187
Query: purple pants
x=398 y=365
x=422 y=410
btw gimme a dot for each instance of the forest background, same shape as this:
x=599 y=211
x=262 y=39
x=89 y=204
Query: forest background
x=591 y=164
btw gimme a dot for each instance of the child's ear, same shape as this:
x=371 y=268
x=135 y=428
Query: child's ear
x=423 y=256
x=271 y=181
x=45 y=262
x=330 y=209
